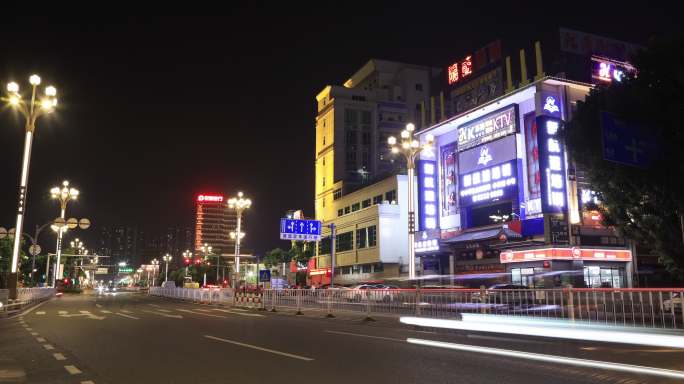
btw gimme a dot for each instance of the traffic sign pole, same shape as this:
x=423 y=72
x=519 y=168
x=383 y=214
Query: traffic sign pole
x=332 y=255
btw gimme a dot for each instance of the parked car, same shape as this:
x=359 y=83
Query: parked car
x=674 y=302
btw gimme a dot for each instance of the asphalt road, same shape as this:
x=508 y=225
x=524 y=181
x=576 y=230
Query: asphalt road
x=134 y=338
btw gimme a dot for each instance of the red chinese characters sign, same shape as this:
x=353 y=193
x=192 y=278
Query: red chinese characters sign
x=460 y=70
x=209 y=198
x=574 y=253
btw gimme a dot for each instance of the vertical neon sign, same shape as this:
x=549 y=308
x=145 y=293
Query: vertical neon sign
x=552 y=165
x=427 y=195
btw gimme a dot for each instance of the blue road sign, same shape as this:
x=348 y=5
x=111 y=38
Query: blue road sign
x=264 y=275
x=306 y=230
x=625 y=143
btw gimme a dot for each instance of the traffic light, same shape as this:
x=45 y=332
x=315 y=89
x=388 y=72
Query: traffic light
x=186 y=261
x=198 y=261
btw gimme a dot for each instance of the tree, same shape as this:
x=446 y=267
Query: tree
x=646 y=205
x=276 y=256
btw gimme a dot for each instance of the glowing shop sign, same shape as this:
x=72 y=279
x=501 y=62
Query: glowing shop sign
x=552 y=164
x=460 y=70
x=488 y=184
x=210 y=198
x=488 y=128
x=606 y=71
x=427 y=194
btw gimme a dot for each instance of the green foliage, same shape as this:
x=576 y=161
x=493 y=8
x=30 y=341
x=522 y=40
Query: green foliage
x=643 y=204
x=300 y=251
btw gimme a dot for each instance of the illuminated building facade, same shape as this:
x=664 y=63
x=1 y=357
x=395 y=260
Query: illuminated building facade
x=213 y=223
x=501 y=202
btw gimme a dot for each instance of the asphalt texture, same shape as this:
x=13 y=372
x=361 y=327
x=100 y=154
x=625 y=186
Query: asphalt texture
x=135 y=338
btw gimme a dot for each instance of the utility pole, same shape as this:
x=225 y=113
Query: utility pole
x=332 y=255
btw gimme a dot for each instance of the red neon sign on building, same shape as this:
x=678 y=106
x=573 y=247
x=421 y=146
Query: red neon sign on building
x=210 y=198
x=460 y=70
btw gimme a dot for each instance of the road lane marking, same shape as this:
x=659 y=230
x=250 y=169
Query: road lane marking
x=40 y=339
x=239 y=313
x=98 y=305
x=26 y=312
x=48 y=347
x=506 y=339
x=259 y=348
x=125 y=315
x=125 y=311
x=29 y=329
x=164 y=310
x=34 y=333
x=88 y=315
x=105 y=311
x=72 y=369
x=596 y=364
x=164 y=314
x=200 y=313
x=40 y=313
x=154 y=305
x=59 y=356
x=362 y=335
x=87 y=382
x=62 y=312
x=85 y=312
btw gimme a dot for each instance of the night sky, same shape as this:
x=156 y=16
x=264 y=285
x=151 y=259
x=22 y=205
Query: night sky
x=156 y=110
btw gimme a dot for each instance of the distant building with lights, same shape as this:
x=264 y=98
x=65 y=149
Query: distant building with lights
x=214 y=222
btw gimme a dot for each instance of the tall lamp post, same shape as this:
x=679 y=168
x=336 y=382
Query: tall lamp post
x=410 y=148
x=239 y=204
x=206 y=249
x=155 y=264
x=63 y=195
x=32 y=109
x=187 y=257
x=167 y=259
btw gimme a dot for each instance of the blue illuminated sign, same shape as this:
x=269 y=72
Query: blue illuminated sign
x=551 y=165
x=498 y=182
x=306 y=230
x=427 y=195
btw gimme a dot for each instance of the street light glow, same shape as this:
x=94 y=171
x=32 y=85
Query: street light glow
x=50 y=91
x=391 y=140
x=410 y=127
x=12 y=87
x=405 y=134
x=13 y=100
x=34 y=80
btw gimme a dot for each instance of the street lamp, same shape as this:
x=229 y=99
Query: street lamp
x=167 y=259
x=239 y=204
x=155 y=263
x=206 y=249
x=32 y=107
x=63 y=195
x=410 y=148
x=187 y=256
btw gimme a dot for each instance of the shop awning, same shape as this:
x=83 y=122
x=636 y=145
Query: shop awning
x=485 y=234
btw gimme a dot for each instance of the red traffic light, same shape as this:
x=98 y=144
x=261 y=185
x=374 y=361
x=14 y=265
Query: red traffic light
x=66 y=281
x=186 y=261
x=198 y=261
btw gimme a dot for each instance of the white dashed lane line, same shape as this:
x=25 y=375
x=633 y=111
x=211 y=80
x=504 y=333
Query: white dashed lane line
x=128 y=316
x=48 y=347
x=40 y=339
x=34 y=333
x=40 y=313
x=59 y=356
x=72 y=369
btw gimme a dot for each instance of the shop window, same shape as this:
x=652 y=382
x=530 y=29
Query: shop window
x=355 y=207
x=600 y=277
x=377 y=200
x=366 y=203
x=366 y=268
x=340 y=212
x=372 y=236
x=378 y=267
x=347 y=209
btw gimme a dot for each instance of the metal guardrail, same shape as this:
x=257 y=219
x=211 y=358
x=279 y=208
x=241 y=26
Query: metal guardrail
x=649 y=308
x=25 y=296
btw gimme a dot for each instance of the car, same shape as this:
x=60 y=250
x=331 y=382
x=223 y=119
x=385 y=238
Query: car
x=673 y=303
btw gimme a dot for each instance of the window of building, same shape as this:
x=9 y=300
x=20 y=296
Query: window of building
x=361 y=237
x=377 y=199
x=356 y=268
x=602 y=277
x=372 y=236
x=347 y=209
x=324 y=181
x=358 y=98
x=365 y=159
x=344 y=242
x=351 y=137
x=366 y=268
x=378 y=267
x=366 y=203
x=324 y=141
x=337 y=194
x=355 y=207
x=340 y=212
x=324 y=161
x=366 y=138
x=347 y=271
x=365 y=117
x=391 y=195
x=350 y=117
x=324 y=246
x=419 y=87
